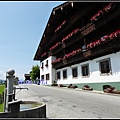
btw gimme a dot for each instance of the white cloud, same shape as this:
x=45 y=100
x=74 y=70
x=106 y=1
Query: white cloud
x=3 y=75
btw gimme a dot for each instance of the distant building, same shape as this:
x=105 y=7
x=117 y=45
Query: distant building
x=27 y=76
x=81 y=45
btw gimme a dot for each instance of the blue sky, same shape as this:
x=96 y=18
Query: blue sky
x=21 y=27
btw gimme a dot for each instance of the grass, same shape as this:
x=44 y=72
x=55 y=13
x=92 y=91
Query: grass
x=2 y=107
x=1 y=91
x=2 y=88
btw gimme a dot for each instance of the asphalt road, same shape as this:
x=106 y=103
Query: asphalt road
x=72 y=103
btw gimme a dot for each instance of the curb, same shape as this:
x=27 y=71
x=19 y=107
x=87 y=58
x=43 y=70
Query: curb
x=93 y=91
x=78 y=89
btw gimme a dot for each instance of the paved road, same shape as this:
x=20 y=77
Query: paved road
x=71 y=103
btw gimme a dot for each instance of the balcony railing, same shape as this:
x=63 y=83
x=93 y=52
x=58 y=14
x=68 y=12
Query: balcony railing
x=59 y=45
x=70 y=35
x=60 y=26
x=85 y=30
x=56 y=61
x=43 y=54
x=91 y=26
x=104 y=38
x=73 y=53
x=105 y=10
x=79 y=55
x=55 y=46
x=50 y=53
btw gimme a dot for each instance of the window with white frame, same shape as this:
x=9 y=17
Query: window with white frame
x=64 y=74
x=105 y=66
x=42 y=65
x=74 y=72
x=58 y=75
x=85 y=70
x=42 y=77
x=46 y=63
x=47 y=76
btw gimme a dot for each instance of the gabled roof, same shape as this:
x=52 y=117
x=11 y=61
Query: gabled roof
x=58 y=15
x=27 y=75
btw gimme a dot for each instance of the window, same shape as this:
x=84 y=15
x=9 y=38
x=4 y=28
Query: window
x=47 y=76
x=46 y=63
x=85 y=70
x=42 y=65
x=105 y=66
x=64 y=74
x=42 y=77
x=74 y=72
x=83 y=48
x=58 y=75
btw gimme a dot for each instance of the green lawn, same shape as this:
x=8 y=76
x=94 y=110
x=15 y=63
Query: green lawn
x=2 y=107
x=1 y=91
x=2 y=88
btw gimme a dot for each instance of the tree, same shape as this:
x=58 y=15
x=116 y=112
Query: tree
x=35 y=72
x=16 y=80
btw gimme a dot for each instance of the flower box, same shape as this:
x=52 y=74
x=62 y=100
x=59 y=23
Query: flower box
x=41 y=67
x=46 y=65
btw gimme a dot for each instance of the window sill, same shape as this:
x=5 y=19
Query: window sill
x=105 y=74
x=85 y=76
x=75 y=77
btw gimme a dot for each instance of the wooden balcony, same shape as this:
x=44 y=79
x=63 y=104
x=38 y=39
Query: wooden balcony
x=58 y=64
x=90 y=27
x=44 y=56
x=75 y=18
x=56 y=49
x=49 y=53
x=73 y=59
x=108 y=47
x=107 y=18
x=105 y=48
x=71 y=40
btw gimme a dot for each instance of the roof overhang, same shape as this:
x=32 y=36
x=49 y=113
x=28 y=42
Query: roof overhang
x=58 y=14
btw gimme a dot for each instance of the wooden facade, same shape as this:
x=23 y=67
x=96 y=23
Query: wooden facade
x=81 y=45
x=78 y=31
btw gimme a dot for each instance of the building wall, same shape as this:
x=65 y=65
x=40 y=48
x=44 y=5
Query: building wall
x=95 y=76
x=48 y=70
x=95 y=80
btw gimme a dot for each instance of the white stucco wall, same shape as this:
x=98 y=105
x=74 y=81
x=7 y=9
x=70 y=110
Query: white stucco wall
x=48 y=70
x=95 y=76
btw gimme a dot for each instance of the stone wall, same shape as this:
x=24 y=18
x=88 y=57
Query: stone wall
x=35 y=112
